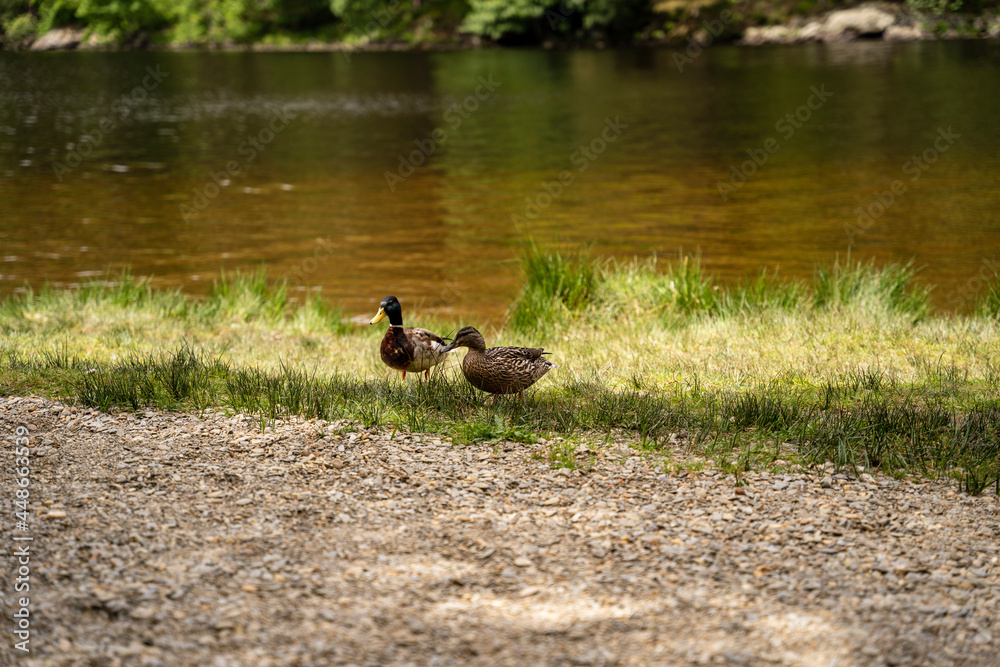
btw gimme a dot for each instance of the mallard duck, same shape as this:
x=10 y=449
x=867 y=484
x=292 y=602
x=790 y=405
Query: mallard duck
x=499 y=370
x=408 y=348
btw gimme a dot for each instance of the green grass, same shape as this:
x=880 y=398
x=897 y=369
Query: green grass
x=554 y=283
x=763 y=293
x=852 y=369
x=561 y=287
x=864 y=419
x=988 y=302
x=862 y=285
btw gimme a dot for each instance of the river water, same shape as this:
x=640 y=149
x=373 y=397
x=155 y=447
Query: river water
x=419 y=174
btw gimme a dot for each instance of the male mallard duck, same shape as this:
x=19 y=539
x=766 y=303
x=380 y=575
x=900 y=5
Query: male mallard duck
x=499 y=370
x=408 y=348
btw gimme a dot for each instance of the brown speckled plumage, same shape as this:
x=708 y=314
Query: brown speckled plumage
x=500 y=370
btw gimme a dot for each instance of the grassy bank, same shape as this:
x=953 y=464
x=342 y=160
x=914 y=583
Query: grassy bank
x=851 y=368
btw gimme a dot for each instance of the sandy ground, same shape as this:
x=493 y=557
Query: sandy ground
x=169 y=539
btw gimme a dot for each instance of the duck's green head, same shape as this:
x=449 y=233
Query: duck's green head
x=389 y=308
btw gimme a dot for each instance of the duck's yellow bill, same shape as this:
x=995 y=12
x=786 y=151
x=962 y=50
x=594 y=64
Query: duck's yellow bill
x=379 y=316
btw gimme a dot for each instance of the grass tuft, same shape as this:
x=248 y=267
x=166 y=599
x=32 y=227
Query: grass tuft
x=247 y=296
x=864 y=286
x=988 y=301
x=555 y=282
x=689 y=289
x=761 y=294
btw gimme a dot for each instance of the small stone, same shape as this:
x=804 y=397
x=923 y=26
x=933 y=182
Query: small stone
x=54 y=514
x=142 y=613
x=244 y=501
x=521 y=561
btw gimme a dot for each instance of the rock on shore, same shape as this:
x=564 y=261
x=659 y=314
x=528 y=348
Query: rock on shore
x=879 y=20
x=59 y=38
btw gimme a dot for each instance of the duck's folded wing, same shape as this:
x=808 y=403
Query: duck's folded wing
x=514 y=353
x=425 y=338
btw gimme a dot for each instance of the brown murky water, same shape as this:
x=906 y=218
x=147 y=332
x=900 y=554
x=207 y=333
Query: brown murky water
x=181 y=164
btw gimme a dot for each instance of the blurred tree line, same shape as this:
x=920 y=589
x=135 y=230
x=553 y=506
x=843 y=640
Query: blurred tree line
x=358 y=22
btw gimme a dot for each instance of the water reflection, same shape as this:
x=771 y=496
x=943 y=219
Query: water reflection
x=314 y=201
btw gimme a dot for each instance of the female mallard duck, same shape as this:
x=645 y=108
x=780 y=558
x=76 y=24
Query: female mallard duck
x=408 y=348
x=499 y=370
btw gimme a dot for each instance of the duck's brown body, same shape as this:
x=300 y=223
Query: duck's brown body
x=499 y=370
x=505 y=370
x=407 y=349
x=411 y=350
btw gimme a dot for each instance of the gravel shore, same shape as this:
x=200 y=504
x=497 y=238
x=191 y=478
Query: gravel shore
x=177 y=539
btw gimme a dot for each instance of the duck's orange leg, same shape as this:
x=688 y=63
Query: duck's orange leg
x=404 y=375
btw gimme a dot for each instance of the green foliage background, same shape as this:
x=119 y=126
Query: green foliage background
x=357 y=22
